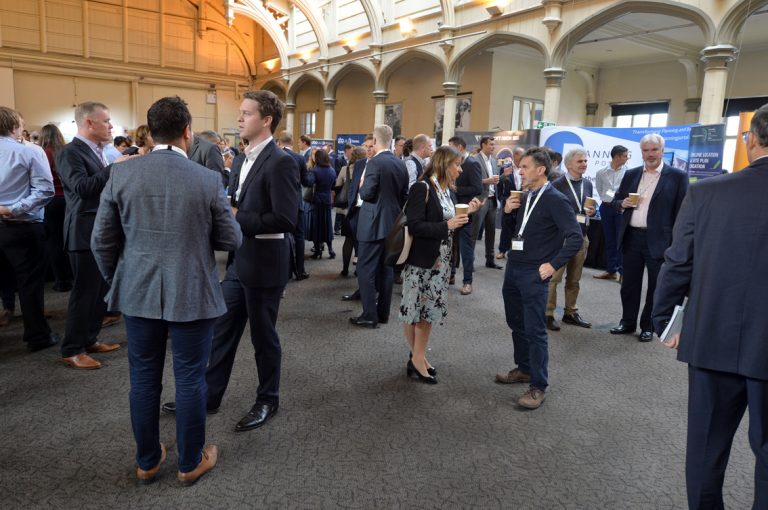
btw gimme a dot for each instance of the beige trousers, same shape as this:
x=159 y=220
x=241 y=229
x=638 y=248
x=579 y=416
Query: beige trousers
x=572 y=272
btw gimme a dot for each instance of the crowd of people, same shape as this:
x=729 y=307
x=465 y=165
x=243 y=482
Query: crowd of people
x=116 y=234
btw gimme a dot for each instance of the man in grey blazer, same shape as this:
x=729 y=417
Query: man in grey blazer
x=159 y=221
x=208 y=154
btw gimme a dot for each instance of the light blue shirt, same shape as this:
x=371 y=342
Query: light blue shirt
x=26 y=183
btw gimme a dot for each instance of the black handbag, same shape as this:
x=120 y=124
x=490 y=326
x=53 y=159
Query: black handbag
x=397 y=244
x=342 y=197
x=307 y=193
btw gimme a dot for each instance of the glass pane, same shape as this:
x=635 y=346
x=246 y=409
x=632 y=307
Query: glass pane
x=729 y=152
x=538 y=113
x=624 y=121
x=515 y=114
x=659 y=120
x=641 y=120
x=732 y=126
x=525 y=116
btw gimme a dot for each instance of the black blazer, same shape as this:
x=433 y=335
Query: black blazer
x=384 y=191
x=83 y=177
x=665 y=203
x=208 y=154
x=469 y=184
x=268 y=204
x=425 y=224
x=717 y=258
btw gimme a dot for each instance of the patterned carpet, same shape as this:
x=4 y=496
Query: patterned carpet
x=354 y=432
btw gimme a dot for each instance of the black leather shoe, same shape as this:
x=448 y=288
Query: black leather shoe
x=623 y=329
x=576 y=320
x=493 y=265
x=256 y=417
x=52 y=340
x=383 y=320
x=410 y=371
x=355 y=296
x=332 y=255
x=302 y=276
x=431 y=370
x=552 y=324
x=170 y=408
x=646 y=336
x=363 y=323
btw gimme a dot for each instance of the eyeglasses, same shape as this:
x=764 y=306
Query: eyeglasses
x=745 y=135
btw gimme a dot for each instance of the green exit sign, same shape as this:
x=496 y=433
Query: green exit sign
x=541 y=124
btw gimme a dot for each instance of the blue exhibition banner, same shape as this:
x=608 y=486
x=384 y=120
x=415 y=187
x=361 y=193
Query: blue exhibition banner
x=705 y=151
x=598 y=142
x=355 y=139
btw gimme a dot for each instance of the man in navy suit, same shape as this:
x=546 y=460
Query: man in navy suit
x=646 y=230
x=383 y=189
x=725 y=327
x=285 y=142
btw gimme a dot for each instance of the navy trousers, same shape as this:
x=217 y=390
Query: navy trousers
x=637 y=258
x=716 y=405
x=525 y=304
x=375 y=279
x=611 y=221
x=191 y=345
x=467 y=251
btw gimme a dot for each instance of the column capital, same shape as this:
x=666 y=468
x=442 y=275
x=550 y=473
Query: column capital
x=451 y=88
x=718 y=56
x=290 y=107
x=592 y=108
x=553 y=76
x=380 y=96
x=329 y=103
x=692 y=104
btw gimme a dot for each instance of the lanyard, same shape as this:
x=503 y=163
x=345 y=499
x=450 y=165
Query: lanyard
x=579 y=200
x=527 y=213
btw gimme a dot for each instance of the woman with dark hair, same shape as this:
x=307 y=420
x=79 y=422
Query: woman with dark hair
x=323 y=177
x=52 y=141
x=345 y=175
x=432 y=220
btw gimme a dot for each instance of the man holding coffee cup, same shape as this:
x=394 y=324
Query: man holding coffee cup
x=649 y=198
x=578 y=191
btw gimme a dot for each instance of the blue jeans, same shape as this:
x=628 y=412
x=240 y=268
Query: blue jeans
x=525 y=303
x=191 y=346
x=467 y=250
x=611 y=221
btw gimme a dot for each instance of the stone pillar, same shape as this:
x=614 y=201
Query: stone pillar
x=380 y=96
x=290 y=115
x=591 y=111
x=451 y=89
x=692 y=106
x=715 y=60
x=329 y=103
x=553 y=78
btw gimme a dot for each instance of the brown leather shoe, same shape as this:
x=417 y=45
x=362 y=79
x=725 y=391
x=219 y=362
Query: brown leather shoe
x=210 y=456
x=82 y=362
x=501 y=256
x=466 y=289
x=149 y=475
x=102 y=347
x=532 y=399
x=605 y=276
x=513 y=376
x=110 y=320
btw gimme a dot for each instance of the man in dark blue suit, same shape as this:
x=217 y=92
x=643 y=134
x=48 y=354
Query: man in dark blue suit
x=383 y=189
x=285 y=142
x=725 y=327
x=646 y=229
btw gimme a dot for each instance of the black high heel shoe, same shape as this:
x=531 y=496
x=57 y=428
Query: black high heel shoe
x=431 y=370
x=410 y=371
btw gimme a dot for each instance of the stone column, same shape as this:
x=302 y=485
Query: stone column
x=591 y=111
x=553 y=78
x=329 y=103
x=451 y=89
x=378 y=113
x=716 y=59
x=692 y=106
x=290 y=115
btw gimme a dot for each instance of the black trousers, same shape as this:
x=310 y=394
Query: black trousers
x=23 y=244
x=86 y=307
x=375 y=279
x=260 y=306
x=716 y=405
x=297 y=265
x=637 y=258
x=7 y=283
x=54 y=236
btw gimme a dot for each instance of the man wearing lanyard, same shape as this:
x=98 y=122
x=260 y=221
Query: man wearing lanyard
x=607 y=181
x=547 y=236
x=575 y=190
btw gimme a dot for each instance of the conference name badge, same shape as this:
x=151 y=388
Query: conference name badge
x=582 y=219
x=610 y=193
x=517 y=244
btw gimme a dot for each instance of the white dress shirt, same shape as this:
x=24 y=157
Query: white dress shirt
x=251 y=154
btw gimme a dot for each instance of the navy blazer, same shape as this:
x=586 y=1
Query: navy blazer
x=469 y=184
x=384 y=191
x=83 y=177
x=717 y=258
x=268 y=204
x=665 y=203
x=425 y=224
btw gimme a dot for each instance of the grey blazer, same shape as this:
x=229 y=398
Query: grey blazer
x=160 y=218
x=208 y=154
